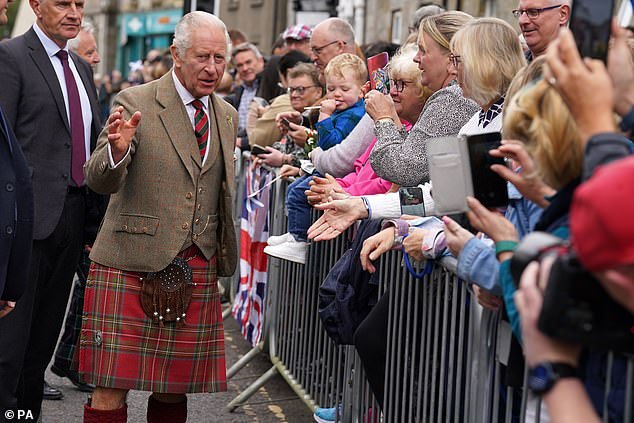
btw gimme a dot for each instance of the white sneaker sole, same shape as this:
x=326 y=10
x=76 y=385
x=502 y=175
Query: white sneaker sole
x=320 y=420
x=294 y=258
x=278 y=240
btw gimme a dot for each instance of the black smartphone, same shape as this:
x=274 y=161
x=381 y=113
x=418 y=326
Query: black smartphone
x=286 y=123
x=258 y=149
x=591 y=25
x=488 y=187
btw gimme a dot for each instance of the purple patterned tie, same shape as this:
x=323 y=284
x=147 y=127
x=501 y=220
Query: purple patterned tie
x=78 y=157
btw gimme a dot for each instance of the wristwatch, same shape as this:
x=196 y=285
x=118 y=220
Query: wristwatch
x=543 y=376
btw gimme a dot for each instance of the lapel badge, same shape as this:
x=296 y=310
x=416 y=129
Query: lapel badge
x=229 y=120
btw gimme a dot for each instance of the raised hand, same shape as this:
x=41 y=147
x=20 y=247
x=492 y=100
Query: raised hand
x=379 y=106
x=492 y=223
x=121 y=132
x=455 y=235
x=338 y=216
x=328 y=107
x=274 y=158
x=292 y=117
x=577 y=81
x=323 y=188
x=532 y=188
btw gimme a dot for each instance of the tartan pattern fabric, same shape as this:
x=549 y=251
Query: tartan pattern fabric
x=201 y=127
x=121 y=347
x=298 y=32
x=66 y=352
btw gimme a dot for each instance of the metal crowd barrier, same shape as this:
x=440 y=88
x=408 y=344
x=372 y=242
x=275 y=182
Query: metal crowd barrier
x=443 y=357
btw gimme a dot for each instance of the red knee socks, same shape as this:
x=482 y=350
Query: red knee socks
x=92 y=415
x=163 y=412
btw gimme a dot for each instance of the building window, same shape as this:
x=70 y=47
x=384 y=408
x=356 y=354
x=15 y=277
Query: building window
x=397 y=26
x=487 y=8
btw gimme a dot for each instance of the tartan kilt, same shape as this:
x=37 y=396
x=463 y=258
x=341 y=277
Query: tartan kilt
x=120 y=347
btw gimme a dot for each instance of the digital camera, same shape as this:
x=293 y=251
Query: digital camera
x=576 y=308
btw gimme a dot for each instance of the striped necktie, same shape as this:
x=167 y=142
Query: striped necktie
x=201 y=127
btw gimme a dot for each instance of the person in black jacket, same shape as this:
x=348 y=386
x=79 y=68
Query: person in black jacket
x=16 y=211
x=56 y=133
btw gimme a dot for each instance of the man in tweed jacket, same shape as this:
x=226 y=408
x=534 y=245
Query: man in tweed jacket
x=166 y=158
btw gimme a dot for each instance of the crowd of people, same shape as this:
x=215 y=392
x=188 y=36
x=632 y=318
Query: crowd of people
x=130 y=185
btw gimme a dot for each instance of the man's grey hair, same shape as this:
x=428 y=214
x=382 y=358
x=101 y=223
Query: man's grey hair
x=73 y=43
x=423 y=12
x=340 y=29
x=241 y=48
x=191 y=21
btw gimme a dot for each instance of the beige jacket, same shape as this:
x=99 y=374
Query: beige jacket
x=158 y=189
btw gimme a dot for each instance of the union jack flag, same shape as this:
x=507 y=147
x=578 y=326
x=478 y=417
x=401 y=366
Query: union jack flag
x=248 y=305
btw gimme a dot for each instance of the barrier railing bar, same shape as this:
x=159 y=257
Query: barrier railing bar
x=629 y=387
x=414 y=351
x=427 y=339
x=608 y=384
x=524 y=396
x=455 y=295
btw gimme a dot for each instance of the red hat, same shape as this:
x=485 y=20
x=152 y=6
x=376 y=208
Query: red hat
x=602 y=217
x=297 y=32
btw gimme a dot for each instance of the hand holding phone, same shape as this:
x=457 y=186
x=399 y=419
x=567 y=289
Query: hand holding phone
x=258 y=149
x=488 y=187
x=590 y=23
x=286 y=123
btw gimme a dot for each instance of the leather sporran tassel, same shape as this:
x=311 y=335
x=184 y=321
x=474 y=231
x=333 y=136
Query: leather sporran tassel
x=166 y=295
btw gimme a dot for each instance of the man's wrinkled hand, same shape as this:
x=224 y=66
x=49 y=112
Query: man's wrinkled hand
x=121 y=132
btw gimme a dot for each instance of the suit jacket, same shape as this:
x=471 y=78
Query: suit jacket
x=32 y=100
x=154 y=188
x=16 y=195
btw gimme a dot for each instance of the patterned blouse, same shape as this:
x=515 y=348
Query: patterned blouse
x=402 y=158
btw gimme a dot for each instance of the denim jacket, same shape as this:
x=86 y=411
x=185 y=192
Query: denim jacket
x=477 y=262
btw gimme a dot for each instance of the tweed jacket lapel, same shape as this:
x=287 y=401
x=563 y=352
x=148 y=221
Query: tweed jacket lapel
x=43 y=64
x=223 y=131
x=180 y=131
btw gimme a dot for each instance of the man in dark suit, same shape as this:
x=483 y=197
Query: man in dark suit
x=48 y=97
x=16 y=211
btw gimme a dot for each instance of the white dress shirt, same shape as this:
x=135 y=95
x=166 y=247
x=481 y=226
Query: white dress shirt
x=86 y=112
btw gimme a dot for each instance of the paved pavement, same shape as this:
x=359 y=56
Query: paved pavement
x=273 y=403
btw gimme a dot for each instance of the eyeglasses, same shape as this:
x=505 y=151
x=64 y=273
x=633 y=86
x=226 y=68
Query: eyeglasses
x=399 y=84
x=455 y=59
x=317 y=50
x=299 y=90
x=532 y=13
